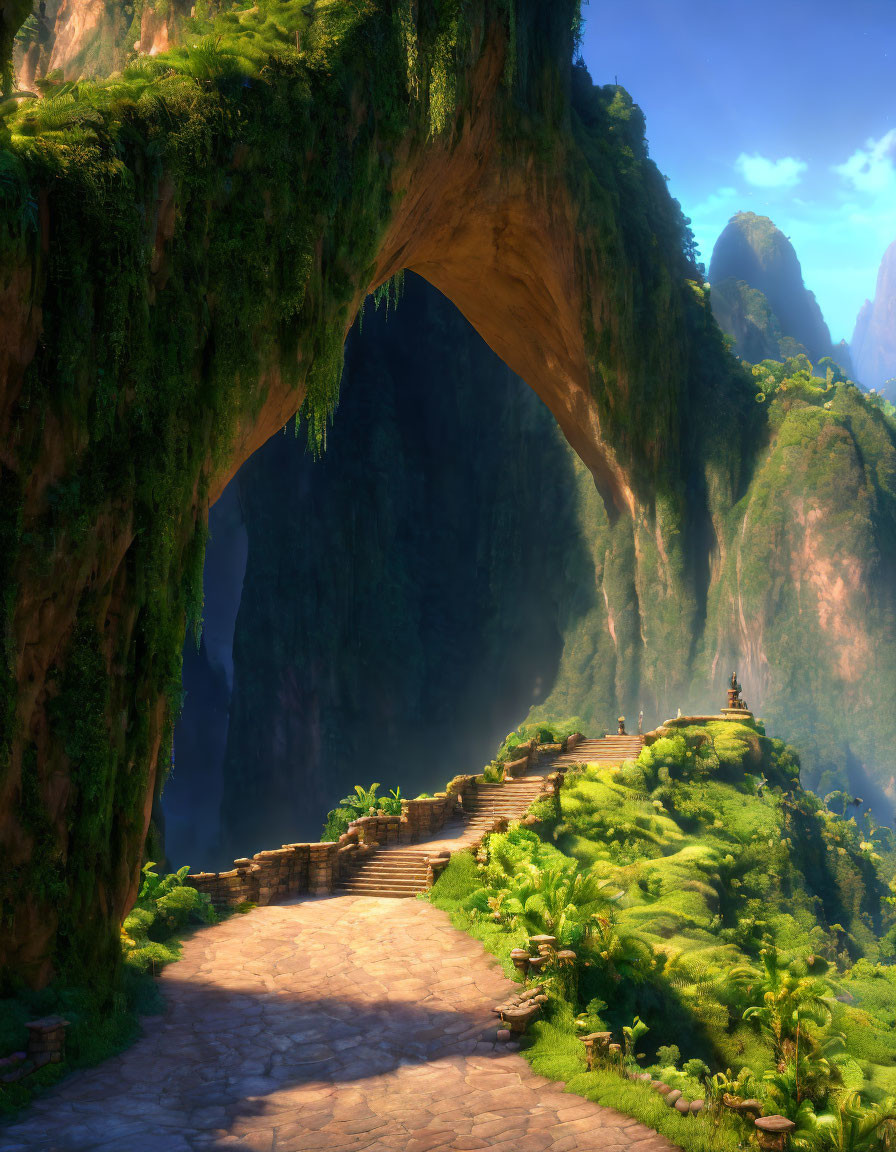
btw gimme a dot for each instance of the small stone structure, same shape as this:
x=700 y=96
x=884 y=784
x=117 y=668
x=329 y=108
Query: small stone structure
x=597 y=1045
x=46 y=1045
x=736 y=708
x=46 y=1040
x=773 y=1132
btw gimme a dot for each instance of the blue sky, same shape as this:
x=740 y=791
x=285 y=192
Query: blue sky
x=787 y=109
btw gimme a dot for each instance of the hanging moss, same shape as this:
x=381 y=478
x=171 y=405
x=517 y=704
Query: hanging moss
x=214 y=216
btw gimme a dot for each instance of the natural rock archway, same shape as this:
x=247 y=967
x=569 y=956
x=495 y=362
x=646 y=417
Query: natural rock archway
x=182 y=254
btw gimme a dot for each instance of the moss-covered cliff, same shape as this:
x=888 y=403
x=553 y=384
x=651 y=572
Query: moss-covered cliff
x=182 y=251
x=399 y=609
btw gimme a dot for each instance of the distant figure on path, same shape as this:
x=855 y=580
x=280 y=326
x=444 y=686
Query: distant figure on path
x=641 y=722
x=622 y=731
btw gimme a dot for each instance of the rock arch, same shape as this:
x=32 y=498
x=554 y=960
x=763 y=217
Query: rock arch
x=172 y=298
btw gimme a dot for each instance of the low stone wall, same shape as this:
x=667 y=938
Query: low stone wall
x=316 y=869
x=272 y=875
x=281 y=873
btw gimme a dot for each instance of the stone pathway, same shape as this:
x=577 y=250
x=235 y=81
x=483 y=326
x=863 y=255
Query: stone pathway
x=343 y=1024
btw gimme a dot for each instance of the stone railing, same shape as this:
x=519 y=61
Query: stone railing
x=316 y=869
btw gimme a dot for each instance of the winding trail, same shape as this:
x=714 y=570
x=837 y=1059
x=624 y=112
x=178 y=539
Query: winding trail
x=339 y=1024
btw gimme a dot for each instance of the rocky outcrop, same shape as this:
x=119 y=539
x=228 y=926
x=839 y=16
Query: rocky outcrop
x=758 y=295
x=121 y=431
x=874 y=338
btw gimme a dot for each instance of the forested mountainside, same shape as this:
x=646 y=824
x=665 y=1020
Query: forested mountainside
x=449 y=564
x=759 y=298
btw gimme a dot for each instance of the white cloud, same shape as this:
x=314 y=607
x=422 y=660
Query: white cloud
x=872 y=168
x=764 y=173
x=721 y=198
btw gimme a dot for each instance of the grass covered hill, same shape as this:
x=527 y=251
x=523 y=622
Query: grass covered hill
x=729 y=928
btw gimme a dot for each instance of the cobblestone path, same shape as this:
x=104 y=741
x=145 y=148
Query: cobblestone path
x=346 y=1024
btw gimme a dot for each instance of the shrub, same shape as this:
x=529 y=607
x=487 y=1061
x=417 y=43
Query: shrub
x=668 y=1055
x=165 y=907
x=364 y=802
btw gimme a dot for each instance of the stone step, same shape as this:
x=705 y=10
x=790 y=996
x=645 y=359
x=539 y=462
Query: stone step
x=385 y=893
x=389 y=874
x=400 y=878
x=504 y=802
x=499 y=809
x=403 y=854
x=380 y=890
x=510 y=788
x=524 y=798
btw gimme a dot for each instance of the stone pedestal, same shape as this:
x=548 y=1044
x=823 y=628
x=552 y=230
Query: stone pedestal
x=742 y=714
x=321 y=868
x=597 y=1044
x=46 y=1040
x=773 y=1132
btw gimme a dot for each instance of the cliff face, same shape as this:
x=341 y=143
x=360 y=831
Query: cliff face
x=409 y=597
x=802 y=599
x=758 y=295
x=192 y=799
x=176 y=296
x=874 y=338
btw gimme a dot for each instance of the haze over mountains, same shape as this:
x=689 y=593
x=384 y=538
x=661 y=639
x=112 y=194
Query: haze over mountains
x=874 y=338
x=759 y=298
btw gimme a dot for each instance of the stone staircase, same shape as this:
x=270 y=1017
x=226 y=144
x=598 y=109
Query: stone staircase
x=494 y=802
x=396 y=872
x=609 y=750
x=404 y=870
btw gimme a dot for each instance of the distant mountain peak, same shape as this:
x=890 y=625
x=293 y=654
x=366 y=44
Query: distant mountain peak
x=874 y=337
x=759 y=296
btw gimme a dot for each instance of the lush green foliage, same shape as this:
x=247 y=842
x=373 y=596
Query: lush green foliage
x=542 y=731
x=103 y=1015
x=164 y=908
x=707 y=894
x=364 y=802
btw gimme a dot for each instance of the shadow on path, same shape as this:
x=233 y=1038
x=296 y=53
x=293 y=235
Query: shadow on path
x=341 y=1025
